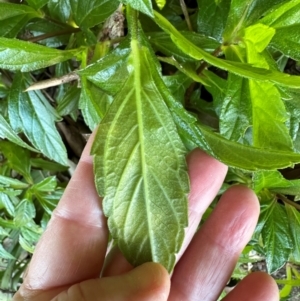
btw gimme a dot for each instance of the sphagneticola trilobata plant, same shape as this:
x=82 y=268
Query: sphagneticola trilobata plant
x=161 y=78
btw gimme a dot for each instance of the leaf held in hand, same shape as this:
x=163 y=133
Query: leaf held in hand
x=140 y=168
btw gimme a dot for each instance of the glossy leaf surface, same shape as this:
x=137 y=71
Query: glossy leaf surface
x=26 y=56
x=13 y=17
x=31 y=113
x=245 y=70
x=276 y=236
x=88 y=13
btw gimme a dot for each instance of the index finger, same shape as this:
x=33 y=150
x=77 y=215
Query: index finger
x=73 y=247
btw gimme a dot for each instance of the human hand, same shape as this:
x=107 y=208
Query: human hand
x=70 y=255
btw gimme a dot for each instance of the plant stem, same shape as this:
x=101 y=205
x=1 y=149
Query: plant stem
x=186 y=15
x=203 y=65
x=286 y=200
x=52 y=34
x=132 y=19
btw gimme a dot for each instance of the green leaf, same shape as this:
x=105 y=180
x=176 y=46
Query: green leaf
x=188 y=69
x=24 y=212
x=47 y=165
x=13 y=183
x=145 y=6
x=42 y=27
x=88 y=13
x=285 y=19
x=47 y=185
x=139 y=159
x=18 y=158
x=37 y=4
x=160 y=3
x=284 y=15
x=93 y=103
x=6 y=203
x=31 y=113
x=212 y=17
x=294 y=221
x=60 y=10
x=259 y=35
x=244 y=13
x=14 y=17
x=25 y=56
x=6 y=132
x=276 y=236
x=269 y=118
x=245 y=157
x=274 y=181
x=271 y=115
x=235 y=117
x=245 y=70
x=69 y=102
x=110 y=72
x=4 y=254
x=162 y=42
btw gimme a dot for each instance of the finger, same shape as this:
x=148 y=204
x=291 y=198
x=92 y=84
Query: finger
x=206 y=177
x=211 y=257
x=148 y=282
x=255 y=287
x=73 y=247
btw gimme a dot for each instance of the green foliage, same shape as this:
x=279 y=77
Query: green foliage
x=219 y=79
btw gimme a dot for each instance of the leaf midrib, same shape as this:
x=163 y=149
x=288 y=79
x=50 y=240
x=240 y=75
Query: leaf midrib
x=137 y=85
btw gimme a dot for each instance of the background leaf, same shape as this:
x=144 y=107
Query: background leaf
x=276 y=236
x=88 y=13
x=212 y=18
x=145 y=6
x=14 y=17
x=31 y=113
x=26 y=56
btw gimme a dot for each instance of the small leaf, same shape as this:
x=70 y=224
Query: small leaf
x=13 y=183
x=274 y=181
x=284 y=15
x=145 y=6
x=69 y=103
x=162 y=42
x=110 y=72
x=25 y=56
x=18 y=158
x=235 y=117
x=245 y=157
x=160 y=3
x=88 y=13
x=6 y=132
x=60 y=10
x=245 y=70
x=259 y=35
x=294 y=221
x=31 y=113
x=7 y=204
x=212 y=17
x=93 y=103
x=42 y=27
x=276 y=236
x=4 y=254
x=25 y=211
x=37 y=4
x=244 y=13
x=14 y=17
x=47 y=185
x=144 y=184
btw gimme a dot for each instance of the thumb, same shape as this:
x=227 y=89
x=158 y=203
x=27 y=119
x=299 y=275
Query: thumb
x=148 y=282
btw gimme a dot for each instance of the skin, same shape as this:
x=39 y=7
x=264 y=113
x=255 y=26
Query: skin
x=72 y=252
